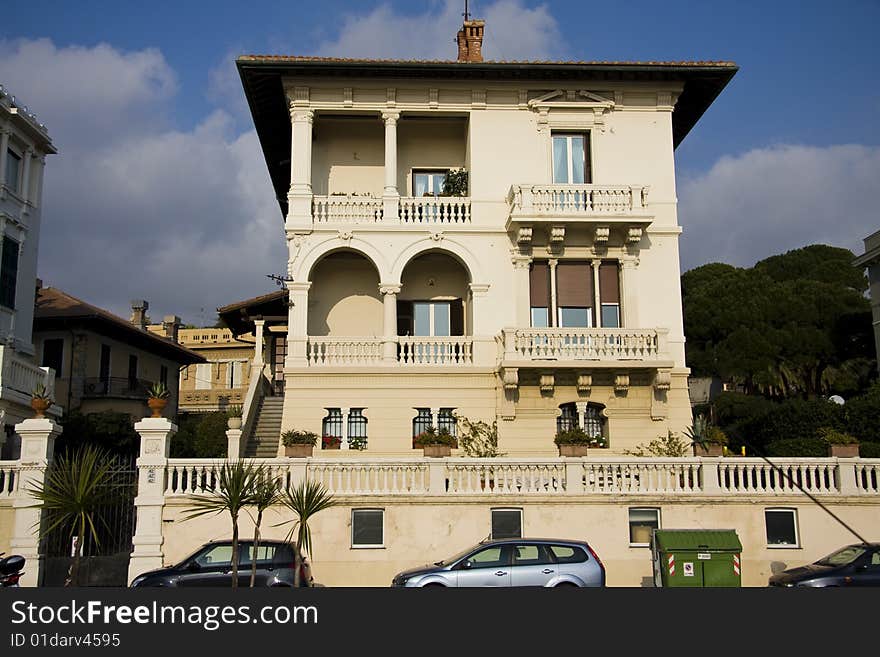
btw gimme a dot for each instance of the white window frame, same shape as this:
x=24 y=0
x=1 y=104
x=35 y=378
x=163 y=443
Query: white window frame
x=16 y=184
x=568 y=135
x=797 y=534
x=367 y=546
x=201 y=382
x=506 y=509
x=655 y=509
x=432 y=328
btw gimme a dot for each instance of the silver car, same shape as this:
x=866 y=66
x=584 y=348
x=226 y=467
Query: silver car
x=513 y=562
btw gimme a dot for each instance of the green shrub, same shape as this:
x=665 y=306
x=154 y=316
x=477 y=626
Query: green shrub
x=669 y=445
x=431 y=436
x=863 y=415
x=869 y=450
x=797 y=447
x=298 y=437
x=835 y=437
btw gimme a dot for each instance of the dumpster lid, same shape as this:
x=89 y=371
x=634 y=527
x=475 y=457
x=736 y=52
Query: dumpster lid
x=697 y=539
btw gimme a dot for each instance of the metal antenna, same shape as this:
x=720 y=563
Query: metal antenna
x=466 y=13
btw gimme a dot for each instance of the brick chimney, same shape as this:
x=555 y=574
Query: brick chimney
x=470 y=41
x=170 y=325
x=139 y=309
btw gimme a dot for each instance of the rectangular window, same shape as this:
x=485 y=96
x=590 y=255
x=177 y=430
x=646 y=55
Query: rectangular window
x=13 y=169
x=641 y=523
x=506 y=523
x=428 y=183
x=422 y=421
x=104 y=371
x=574 y=294
x=609 y=293
x=203 y=376
x=432 y=318
x=233 y=374
x=782 y=528
x=446 y=420
x=539 y=294
x=163 y=375
x=53 y=354
x=132 y=372
x=332 y=425
x=357 y=429
x=8 y=272
x=367 y=528
x=571 y=158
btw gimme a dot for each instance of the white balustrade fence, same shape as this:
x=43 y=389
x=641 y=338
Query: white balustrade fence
x=758 y=476
x=577 y=199
x=583 y=344
x=504 y=477
x=435 y=210
x=346 y=209
x=23 y=376
x=368 y=478
x=435 y=350
x=344 y=351
x=642 y=476
x=9 y=473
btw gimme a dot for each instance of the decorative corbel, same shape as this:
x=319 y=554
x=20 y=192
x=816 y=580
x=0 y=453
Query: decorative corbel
x=663 y=380
x=584 y=384
x=557 y=235
x=634 y=235
x=548 y=383
x=601 y=236
x=510 y=378
x=621 y=383
x=524 y=235
x=659 y=399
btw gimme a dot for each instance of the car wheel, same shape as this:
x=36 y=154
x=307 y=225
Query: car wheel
x=433 y=585
x=565 y=585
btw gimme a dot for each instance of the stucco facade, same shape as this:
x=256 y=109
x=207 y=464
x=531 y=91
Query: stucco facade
x=870 y=260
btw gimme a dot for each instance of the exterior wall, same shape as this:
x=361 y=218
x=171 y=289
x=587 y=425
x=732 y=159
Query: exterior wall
x=7 y=517
x=428 y=143
x=344 y=299
x=428 y=529
x=221 y=350
x=872 y=254
x=348 y=156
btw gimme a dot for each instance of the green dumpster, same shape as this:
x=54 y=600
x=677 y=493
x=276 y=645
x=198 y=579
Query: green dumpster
x=696 y=557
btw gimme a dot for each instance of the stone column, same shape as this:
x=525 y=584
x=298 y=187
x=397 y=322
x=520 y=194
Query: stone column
x=484 y=350
x=37 y=451
x=389 y=329
x=4 y=145
x=391 y=195
x=521 y=265
x=553 y=319
x=597 y=303
x=297 y=324
x=233 y=444
x=27 y=156
x=259 y=346
x=345 y=411
x=299 y=198
x=147 y=552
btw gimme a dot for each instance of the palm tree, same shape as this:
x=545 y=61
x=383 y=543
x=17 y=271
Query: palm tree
x=266 y=493
x=235 y=491
x=306 y=499
x=74 y=489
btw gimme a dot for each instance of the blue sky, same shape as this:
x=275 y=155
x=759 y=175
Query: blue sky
x=787 y=155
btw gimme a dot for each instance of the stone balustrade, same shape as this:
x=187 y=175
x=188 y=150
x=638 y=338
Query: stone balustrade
x=21 y=377
x=8 y=478
x=344 y=351
x=603 y=344
x=350 y=209
x=435 y=350
x=577 y=200
x=435 y=210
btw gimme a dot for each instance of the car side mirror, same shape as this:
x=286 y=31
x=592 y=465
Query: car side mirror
x=466 y=564
x=193 y=566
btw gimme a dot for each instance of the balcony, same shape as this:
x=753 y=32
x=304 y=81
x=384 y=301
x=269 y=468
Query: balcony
x=115 y=387
x=214 y=399
x=597 y=206
x=608 y=347
x=403 y=350
x=354 y=209
x=19 y=377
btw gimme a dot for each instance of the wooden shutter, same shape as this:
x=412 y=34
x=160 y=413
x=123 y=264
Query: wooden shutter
x=588 y=173
x=609 y=282
x=539 y=285
x=574 y=285
x=456 y=317
x=405 y=318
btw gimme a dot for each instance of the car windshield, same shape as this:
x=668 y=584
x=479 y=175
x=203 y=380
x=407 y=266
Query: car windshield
x=843 y=556
x=458 y=556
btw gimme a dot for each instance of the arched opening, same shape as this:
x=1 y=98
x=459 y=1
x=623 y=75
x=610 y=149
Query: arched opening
x=344 y=298
x=433 y=299
x=588 y=417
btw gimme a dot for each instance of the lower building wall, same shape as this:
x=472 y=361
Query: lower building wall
x=7 y=518
x=424 y=530
x=635 y=416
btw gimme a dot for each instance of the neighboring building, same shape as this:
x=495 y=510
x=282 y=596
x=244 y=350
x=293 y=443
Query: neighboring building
x=24 y=145
x=546 y=296
x=223 y=379
x=871 y=260
x=101 y=361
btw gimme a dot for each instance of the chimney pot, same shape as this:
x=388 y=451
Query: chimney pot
x=470 y=41
x=139 y=309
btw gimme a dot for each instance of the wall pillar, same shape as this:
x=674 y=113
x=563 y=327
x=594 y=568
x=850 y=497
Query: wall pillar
x=297 y=324
x=147 y=552
x=233 y=444
x=389 y=322
x=597 y=303
x=553 y=313
x=521 y=285
x=484 y=349
x=37 y=452
x=259 y=344
x=629 y=316
x=390 y=195
x=299 y=198
x=4 y=145
x=24 y=191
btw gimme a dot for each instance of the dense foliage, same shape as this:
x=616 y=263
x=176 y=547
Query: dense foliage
x=200 y=435
x=110 y=431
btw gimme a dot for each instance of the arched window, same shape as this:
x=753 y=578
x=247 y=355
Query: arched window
x=591 y=421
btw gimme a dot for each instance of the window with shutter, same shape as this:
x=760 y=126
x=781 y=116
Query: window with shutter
x=8 y=272
x=574 y=294
x=539 y=294
x=609 y=293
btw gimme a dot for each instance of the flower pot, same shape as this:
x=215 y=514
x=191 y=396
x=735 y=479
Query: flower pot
x=572 y=450
x=233 y=423
x=709 y=450
x=40 y=406
x=844 y=451
x=331 y=446
x=437 y=451
x=298 y=451
x=156 y=405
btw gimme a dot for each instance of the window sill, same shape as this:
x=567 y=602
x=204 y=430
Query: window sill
x=784 y=547
x=640 y=545
x=367 y=547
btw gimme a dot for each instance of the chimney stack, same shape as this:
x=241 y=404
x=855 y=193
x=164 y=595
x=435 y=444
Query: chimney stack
x=170 y=324
x=470 y=41
x=139 y=313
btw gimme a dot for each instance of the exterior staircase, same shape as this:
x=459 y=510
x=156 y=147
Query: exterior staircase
x=263 y=443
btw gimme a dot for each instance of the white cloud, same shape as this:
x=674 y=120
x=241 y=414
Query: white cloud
x=132 y=208
x=513 y=31
x=771 y=200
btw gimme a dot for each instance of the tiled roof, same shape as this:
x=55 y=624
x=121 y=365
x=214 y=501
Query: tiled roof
x=354 y=60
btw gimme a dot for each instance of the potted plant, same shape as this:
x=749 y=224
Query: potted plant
x=41 y=400
x=233 y=417
x=157 y=398
x=298 y=444
x=840 y=444
x=573 y=442
x=357 y=442
x=331 y=442
x=707 y=439
x=435 y=443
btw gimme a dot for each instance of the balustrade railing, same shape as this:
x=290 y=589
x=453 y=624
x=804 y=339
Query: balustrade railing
x=435 y=350
x=8 y=478
x=23 y=376
x=584 y=344
x=584 y=200
x=435 y=210
x=683 y=477
x=346 y=209
x=344 y=351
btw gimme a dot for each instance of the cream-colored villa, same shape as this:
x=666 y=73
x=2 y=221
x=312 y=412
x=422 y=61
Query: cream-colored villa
x=543 y=293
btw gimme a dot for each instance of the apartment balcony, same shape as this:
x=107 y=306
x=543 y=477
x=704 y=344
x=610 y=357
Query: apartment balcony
x=600 y=208
x=400 y=351
x=19 y=377
x=116 y=388
x=575 y=347
x=211 y=400
x=367 y=210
